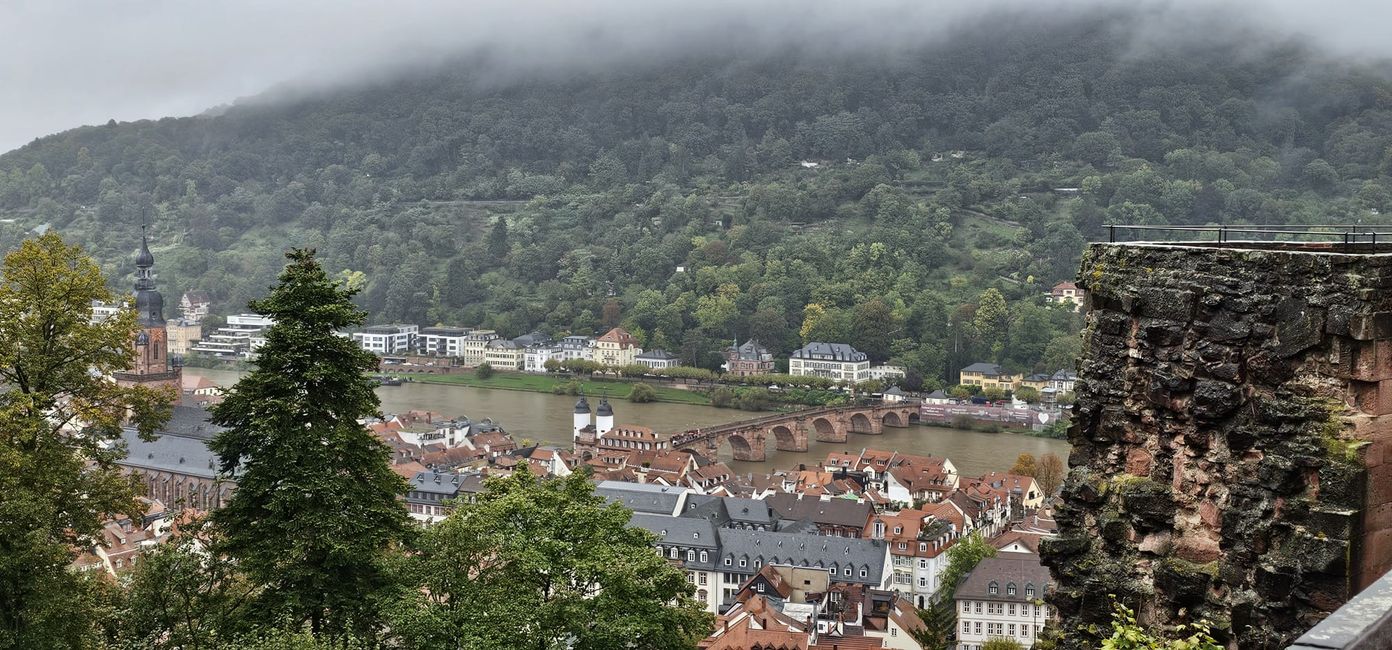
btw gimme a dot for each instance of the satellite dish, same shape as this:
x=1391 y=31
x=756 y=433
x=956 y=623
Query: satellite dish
x=1043 y=418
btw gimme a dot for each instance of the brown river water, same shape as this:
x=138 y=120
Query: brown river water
x=546 y=418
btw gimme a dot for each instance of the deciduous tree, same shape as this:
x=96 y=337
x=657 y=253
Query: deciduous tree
x=1050 y=472
x=545 y=565
x=58 y=414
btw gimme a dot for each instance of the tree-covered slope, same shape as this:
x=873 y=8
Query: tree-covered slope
x=671 y=196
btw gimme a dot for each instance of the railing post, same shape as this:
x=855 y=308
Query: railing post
x=1111 y=234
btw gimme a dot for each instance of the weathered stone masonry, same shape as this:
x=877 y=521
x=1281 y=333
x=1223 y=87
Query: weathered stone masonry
x=1232 y=439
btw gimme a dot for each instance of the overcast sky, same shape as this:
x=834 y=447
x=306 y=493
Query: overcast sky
x=65 y=63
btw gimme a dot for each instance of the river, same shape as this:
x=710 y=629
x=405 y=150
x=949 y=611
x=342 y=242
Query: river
x=546 y=418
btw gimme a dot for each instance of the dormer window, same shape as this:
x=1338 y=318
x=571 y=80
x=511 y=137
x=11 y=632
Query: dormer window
x=1029 y=591
x=704 y=556
x=1010 y=589
x=993 y=589
x=691 y=557
x=673 y=553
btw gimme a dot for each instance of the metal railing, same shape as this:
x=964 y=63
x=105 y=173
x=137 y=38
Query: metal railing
x=1346 y=234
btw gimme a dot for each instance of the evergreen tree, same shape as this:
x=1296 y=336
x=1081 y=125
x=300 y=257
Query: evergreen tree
x=58 y=484
x=315 y=509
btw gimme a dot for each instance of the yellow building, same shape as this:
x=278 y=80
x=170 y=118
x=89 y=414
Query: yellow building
x=503 y=354
x=988 y=375
x=617 y=348
x=182 y=336
x=475 y=349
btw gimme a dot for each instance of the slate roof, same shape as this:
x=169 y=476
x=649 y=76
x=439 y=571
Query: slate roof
x=434 y=482
x=191 y=422
x=657 y=354
x=723 y=510
x=170 y=453
x=988 y=369
x=1017 y=568
x=829 y=351
x=752 y=350
x=760 y=548
x=832 y=512
x=642 y=497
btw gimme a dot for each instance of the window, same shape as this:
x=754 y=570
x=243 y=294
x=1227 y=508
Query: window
x=701 y=579
x=966 y=606
x=922 y=581
x=894 y=631
x=847 y=571
x=1010 y=589
x=673 y=554
x=922 y=562
x=727 y=561
x=704 y=556
x=744 y=562
x=966 y=628
x=1012 y=609
x=992 y=588
x=1010 y=629
x=1029 y=591
x=978 y=607
x=977 y=627
x=691 y=557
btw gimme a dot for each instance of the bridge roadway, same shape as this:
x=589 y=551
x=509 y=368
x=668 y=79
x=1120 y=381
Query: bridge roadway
x=790 y=431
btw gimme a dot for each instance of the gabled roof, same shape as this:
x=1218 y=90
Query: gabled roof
x=641 y=497
x=760 y=547
x=751 y=350
x=620 y=336
x=1013 y=568
x=831 y=512
x=170 y=453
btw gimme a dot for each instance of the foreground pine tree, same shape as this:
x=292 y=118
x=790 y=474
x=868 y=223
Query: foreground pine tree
x=315 y=513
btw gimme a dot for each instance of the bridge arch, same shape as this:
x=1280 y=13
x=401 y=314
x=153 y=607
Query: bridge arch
x=789 y=437
x=744 y=446
x=892 y=419
x=827 y=431
x=861 y=424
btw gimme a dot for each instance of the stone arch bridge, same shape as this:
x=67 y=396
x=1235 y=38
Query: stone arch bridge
x=790 y=431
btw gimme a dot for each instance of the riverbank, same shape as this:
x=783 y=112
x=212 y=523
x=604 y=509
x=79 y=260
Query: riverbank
x=616 y=389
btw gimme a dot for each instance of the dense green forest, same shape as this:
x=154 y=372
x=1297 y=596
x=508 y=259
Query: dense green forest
x=673 y=197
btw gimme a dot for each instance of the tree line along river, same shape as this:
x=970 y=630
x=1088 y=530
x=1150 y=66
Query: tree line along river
x=546 y=418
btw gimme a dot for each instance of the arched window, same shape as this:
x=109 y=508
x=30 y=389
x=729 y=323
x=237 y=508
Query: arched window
x=673 y=554
x=993 y=589
x=691 y=556
x=703 y=556
x=1010 y=589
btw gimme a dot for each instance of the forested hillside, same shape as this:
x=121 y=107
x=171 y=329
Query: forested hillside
x=673 y=196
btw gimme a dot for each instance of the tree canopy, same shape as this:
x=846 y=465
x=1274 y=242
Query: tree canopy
x=672 y=197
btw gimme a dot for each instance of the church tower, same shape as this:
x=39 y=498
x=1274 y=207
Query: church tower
x=152 y=365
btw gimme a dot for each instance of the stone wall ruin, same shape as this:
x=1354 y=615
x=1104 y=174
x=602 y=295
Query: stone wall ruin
x=1232 y=443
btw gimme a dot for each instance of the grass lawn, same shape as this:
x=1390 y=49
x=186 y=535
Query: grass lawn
x=545 y=383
